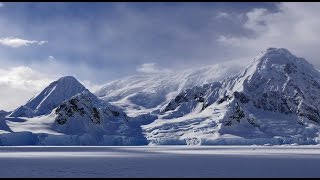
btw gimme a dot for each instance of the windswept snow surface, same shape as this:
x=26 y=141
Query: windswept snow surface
x=141 y=94
x=161 y=161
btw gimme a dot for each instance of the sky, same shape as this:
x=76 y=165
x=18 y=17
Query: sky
x=99 y=42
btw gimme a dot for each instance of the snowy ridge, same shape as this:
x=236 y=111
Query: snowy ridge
x=142 y=94
x=276 y=97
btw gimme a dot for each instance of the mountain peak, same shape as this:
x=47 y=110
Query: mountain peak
x=279 y=60
x=67 y=78
x=283 y=56
x=278 y=50
x=50 y=97
x=277 y=55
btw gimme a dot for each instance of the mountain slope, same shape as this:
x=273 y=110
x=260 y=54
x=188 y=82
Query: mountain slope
x=50 y=97
x=277 y=96
x=85 y=113
x=80 y=120
x=3 y=113
x=142 y=94
x=66 y=113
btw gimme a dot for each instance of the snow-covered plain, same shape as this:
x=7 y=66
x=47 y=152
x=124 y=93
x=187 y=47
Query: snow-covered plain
x=160 y=161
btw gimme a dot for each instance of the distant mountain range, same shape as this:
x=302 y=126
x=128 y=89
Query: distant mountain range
x=274 y=100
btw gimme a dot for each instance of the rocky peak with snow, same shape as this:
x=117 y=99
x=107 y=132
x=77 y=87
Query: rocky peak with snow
x=85 y=113
x=281 y=82
x=277 y=95
x=50 y=97
x=275 y=81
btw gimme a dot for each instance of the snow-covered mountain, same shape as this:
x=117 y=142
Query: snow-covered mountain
x=50 y=97
x=86 y=114
x=146 y=93
x=61 y=118
x=274 y=100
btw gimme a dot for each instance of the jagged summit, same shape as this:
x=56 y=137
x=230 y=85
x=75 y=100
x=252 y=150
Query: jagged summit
x=275 y=66
x=67 y=79
x=50 y=97
x=279 y=56
x=273 y=50
x=278 y=51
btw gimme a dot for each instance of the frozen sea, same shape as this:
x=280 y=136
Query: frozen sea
x=161 y=161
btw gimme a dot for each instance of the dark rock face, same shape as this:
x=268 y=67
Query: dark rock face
x=237 y=114
x=253 y=122
x=75 y=106
x=290 y=68
x=96 y=118
x=69 y=108
x=115 y=113
x=185 y=97
x=3 y=113
x=243 y=98
x=86 y=106
x=198 y=94
x=290 y=102
x=223 y=99
x=181 y=98
x=273 y=101
x=309 y=112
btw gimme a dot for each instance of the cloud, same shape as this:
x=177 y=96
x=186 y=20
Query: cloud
x=19 y=84
x=256 y=19
x=294 y=26
x=182 y=37
x=222 y=15
x=90 y=85
x=16 y=42
x=151 y=68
